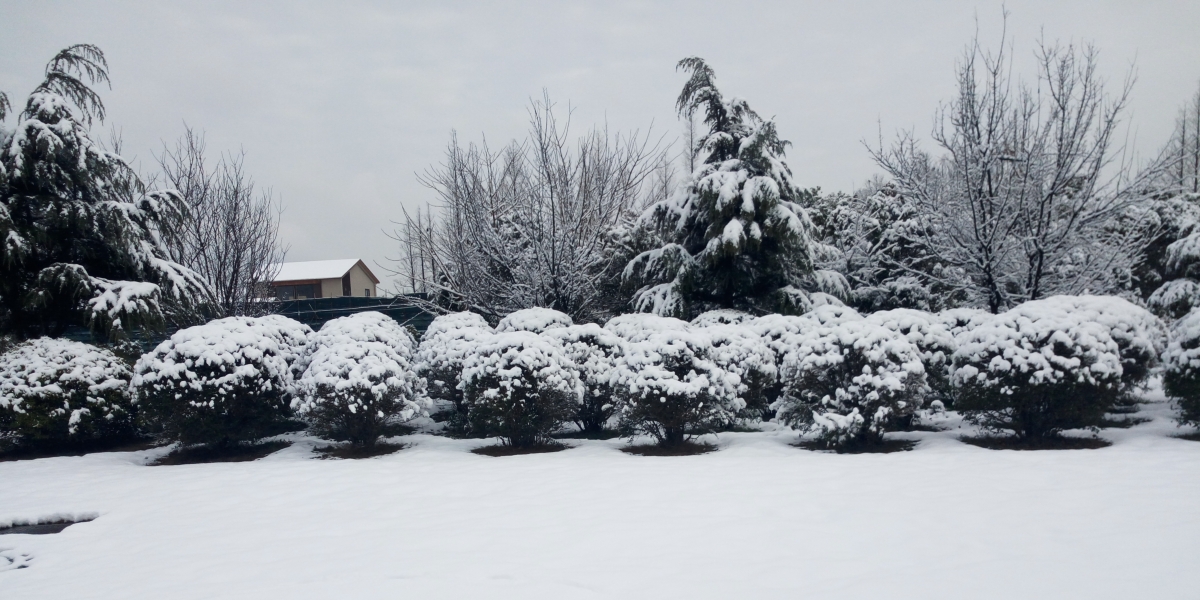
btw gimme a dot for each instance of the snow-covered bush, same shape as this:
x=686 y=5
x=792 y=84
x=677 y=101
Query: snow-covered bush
x=739 y=350
x=849 y=380
x=832 y=314
x=958 y=320
x=1037 y=369
x=933 y=340
x=55 y=392
x=638 y=327
x=223 y=382
x=667 y=386
x=722 y=316
x=440 y=357
x=1181 y=362
x=1175 y=298
x=593 y=350
x=1140 y=336
x=520 y=387
x=357 y=377
x=535 y=320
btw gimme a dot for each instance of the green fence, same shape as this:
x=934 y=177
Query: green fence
x=314 y=312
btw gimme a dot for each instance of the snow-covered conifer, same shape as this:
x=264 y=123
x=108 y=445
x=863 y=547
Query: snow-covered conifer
x=667 y=386
x=1175 y=298
x=849 y=380
x=55 y=391
x=594 y=351
x=223 y=382
x=83 y=240
x=1181 y=362
x=439 y=359
x=520 y=387
x=736 y=234
x=357 y=377
x=1036 y=370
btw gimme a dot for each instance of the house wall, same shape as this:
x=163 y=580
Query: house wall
x=331 y=288
x=359 y=281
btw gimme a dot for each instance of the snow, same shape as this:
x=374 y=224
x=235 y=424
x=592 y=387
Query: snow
x=314 y=269
x=1037 y=343
x=242 y=349
x=504 y=363
x=536 y=320
x=756 y=519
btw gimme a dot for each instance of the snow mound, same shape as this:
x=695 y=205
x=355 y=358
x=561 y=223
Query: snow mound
x=638 y=327
x=535 y=320
x=724 y=316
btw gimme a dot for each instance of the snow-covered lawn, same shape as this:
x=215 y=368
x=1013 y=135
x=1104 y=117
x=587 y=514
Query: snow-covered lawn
x=758 y=519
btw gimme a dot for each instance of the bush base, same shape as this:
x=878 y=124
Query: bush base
x=883 y=447
x=215 y=454
x=1191 y=437
x=997 y=442
x=502 y=450
x=680 y=449
x=350 y=451
x=1122 y=423
x=10 y=452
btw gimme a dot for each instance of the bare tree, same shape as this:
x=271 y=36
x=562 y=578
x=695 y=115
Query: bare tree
x=1184 y=149
x=1030 y=179
x=528 y=225
x=230 y=233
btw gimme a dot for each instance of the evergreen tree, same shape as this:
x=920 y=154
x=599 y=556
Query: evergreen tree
x=82 y=241
x=737 y=235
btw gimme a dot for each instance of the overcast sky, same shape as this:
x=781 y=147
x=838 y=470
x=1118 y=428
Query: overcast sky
x=339 y=105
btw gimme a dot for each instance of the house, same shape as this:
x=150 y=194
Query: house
x=324 y=279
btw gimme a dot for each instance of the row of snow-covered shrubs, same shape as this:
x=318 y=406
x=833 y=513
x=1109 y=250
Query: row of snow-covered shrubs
x=228 y=381
x=1040 y=368
x=845 y=378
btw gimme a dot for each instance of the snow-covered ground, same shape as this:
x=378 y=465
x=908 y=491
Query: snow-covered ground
x=758 y=519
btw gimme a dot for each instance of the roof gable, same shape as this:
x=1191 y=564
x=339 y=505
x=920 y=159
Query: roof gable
x=319 y=269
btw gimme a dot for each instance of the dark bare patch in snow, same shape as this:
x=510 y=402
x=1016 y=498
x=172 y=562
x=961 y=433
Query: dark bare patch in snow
x=1047 y=443
x=684 y=449
x=14 y=452
x=501 y=450
x=41 y=528
x=884 y=447
x=350 y=451
x=207 y=454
